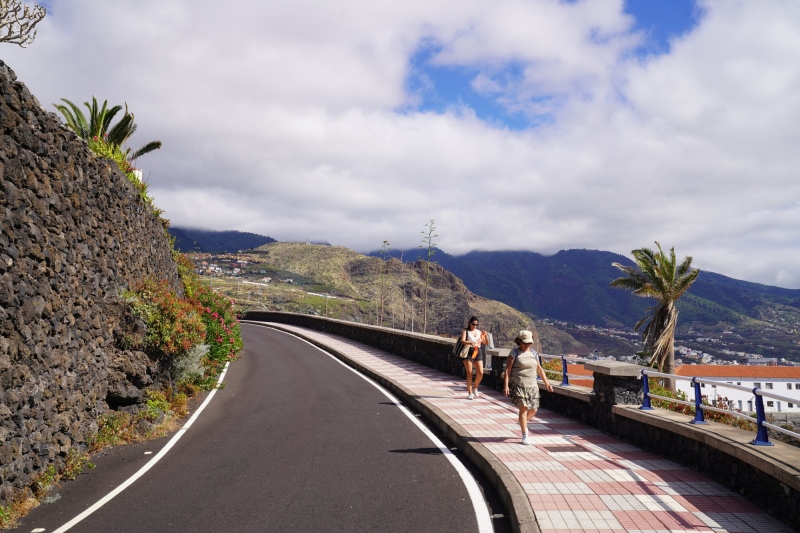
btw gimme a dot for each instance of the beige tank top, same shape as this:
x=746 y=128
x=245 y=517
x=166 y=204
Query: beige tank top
x=525 y=369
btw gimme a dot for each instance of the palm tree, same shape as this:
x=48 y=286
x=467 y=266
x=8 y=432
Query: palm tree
x=658 y=277
x=98 y=125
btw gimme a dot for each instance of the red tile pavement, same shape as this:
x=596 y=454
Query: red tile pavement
x=576 y=478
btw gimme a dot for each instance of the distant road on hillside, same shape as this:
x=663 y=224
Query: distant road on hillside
x=295 y=442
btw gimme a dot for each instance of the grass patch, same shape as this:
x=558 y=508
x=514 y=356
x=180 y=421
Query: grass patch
x=31 y=497
x=12 y=512
x=162 y=409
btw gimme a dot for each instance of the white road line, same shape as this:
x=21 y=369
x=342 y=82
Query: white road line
x=479 y=505
x=107 y=498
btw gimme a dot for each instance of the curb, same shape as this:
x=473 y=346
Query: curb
x=521 y=515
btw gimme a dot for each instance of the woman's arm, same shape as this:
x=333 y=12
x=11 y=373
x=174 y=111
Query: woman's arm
x=543 y=375
x=464 y=337
x=507 y=375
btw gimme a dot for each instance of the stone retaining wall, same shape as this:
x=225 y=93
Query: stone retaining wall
x=73 y=232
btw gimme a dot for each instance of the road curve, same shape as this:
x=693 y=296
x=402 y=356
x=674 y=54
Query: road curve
x=295 y=442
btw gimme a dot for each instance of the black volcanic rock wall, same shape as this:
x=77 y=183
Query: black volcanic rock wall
x=73 y=232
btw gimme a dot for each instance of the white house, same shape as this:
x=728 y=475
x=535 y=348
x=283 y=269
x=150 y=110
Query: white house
x=782 y=380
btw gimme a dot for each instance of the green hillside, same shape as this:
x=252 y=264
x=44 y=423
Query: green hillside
x=362 y=284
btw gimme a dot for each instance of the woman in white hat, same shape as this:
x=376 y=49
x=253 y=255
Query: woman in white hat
x=522 y=366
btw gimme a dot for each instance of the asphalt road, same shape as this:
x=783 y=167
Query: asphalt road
x=294 y=442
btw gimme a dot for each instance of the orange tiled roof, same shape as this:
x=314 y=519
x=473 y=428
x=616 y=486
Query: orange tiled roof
x=573 y=368
x=739 y=371
x=577 y=370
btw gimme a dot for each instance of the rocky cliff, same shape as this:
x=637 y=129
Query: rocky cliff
x=73 y=233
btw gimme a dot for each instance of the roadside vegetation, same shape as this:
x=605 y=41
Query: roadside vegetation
x=192 y=332
x=656 y=387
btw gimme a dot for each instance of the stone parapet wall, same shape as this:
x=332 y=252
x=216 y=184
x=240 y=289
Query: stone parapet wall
x=429 y=350
x=73 y=233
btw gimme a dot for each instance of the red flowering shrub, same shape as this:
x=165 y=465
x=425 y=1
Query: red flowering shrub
x=223 y=333
x=174 y=324
x=199 y=333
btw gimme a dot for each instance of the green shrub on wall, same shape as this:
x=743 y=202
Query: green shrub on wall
x=114 y=152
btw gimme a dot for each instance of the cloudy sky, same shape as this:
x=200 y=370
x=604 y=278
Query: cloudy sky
x=514 y=124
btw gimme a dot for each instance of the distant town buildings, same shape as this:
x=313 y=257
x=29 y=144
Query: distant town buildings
x=782 y=380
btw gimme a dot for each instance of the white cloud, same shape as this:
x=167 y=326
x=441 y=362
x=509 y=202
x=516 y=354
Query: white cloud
x=282 y=119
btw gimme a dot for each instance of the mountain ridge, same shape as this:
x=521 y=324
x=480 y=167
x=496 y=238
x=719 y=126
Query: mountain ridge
x=572 y=286
x=555 y=286
x=212 y=241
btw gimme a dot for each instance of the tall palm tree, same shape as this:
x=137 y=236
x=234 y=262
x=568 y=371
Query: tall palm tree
x=660 y=278
x=98 y=125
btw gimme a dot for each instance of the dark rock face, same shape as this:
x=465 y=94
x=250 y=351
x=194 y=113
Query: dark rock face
x=73 y=232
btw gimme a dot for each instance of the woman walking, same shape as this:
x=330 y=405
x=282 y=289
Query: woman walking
x=522 y=366
x=473 y=337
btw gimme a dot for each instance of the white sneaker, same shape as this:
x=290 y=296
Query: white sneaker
x=525 y=440
x=470 y=396
x=477 y=394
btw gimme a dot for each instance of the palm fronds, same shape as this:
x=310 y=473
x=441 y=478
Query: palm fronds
x=147 y=148
x=76 y=121
x=98 y=125
x=657 y=276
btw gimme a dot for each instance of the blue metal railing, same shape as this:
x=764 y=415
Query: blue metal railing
x=762 y=426
x=564 y=373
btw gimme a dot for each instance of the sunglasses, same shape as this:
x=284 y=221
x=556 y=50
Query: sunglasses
x=474 y=324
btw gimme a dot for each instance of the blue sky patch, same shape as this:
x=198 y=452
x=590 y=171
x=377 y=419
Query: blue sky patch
x=662 y=20
x=439 y=88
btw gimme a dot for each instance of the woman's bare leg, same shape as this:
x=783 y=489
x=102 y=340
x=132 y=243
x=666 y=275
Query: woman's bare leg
x=531 y=413
x=478 y=375
x=523 y=419
x=468 y=367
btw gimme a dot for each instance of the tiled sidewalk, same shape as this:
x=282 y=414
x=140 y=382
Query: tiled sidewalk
x=576 y=478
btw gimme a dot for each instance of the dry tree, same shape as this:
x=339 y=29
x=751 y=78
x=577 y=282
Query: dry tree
x=18 y=22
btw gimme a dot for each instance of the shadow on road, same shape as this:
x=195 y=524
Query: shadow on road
x=422 y=451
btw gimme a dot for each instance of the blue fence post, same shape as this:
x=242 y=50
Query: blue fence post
x=564 y=375
x=762 y=435
x=646 y=391
x=699 y=415
x=538 y=377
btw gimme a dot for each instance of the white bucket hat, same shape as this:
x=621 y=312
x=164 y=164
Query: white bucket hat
x=525 y=336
